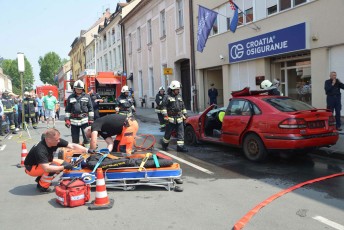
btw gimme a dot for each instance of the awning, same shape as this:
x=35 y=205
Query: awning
x=108 y=80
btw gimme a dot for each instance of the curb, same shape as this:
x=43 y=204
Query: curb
x=327 y=152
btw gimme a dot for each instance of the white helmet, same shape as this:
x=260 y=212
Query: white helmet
x=125 y=89
x=265 y=84
x=78 y=84
x=26 y=93
x=175 y=85
x=161 y=88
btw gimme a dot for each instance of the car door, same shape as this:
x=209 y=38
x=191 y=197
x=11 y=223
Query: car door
x=235 y=121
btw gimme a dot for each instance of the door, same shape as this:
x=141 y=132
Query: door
x=186 y=85
x=236 y=120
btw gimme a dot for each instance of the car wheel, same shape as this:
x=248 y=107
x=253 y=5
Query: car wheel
x=254 y=148
x=190 y=136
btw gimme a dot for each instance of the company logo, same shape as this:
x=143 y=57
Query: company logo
x=237 y=51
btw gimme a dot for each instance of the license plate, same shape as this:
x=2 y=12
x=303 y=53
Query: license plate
x=315 y=124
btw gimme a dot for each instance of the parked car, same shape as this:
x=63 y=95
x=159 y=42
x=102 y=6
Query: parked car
x=260 y=124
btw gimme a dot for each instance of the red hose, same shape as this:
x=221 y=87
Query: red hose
x=145 y=146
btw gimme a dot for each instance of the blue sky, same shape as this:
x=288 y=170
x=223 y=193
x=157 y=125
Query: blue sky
x=37 y=27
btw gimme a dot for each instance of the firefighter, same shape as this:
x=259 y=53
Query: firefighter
x=266 y=84
x=158 y=109
x=8 y=105
x=174 y=113
x=29 y=110
x=40 y=161
x=125 y=102
x=79 y=112
x=125 y=129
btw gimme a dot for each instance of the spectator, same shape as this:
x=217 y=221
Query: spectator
x=49 y=103
x=212 y=94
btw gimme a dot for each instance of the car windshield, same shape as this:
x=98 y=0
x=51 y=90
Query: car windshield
x=286 y=104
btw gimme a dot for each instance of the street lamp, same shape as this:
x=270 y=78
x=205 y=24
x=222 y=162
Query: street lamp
x=21 y=69
x=95 y=36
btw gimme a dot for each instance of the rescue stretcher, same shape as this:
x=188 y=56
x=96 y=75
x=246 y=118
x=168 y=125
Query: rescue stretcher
x=127 y=178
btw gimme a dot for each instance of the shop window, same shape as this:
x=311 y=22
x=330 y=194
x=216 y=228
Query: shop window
x=240 y=19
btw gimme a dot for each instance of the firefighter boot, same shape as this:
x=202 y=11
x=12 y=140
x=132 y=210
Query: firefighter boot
x=164 y=145
x=182 y=149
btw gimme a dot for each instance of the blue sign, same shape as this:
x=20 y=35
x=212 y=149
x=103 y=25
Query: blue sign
x=286 y=40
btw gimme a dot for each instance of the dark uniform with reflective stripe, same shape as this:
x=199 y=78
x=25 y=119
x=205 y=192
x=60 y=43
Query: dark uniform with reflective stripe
x=174 y=108
x=125 y=105
x=79 y=111
x=29 y=111
x=158 y=109
x=8 y=105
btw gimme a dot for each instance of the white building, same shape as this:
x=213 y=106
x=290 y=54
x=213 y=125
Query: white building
x=157 y=36
x=296 y=41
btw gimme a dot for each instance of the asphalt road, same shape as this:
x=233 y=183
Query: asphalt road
x=220 y=187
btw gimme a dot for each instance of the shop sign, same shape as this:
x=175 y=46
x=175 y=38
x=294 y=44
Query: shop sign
x=281 y=41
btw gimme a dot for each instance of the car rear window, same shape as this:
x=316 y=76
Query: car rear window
x=286 y=104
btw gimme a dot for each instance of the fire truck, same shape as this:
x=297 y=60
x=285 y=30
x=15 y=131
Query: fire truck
x=46 y=88
x=106 y=84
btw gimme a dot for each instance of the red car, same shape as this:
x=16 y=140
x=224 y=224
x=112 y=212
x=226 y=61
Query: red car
x=261 y=123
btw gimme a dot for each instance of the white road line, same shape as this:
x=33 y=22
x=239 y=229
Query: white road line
x=2 y=147
x=328 y=222
x=9 y=137
x=187 y=162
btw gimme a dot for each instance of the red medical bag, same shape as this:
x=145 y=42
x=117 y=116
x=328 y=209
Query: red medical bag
x=72 y=193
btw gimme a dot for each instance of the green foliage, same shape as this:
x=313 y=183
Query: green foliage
x=50 y=64
x=10 y=68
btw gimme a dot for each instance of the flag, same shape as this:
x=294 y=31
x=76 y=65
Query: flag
x=206 y=19
x=234 y=21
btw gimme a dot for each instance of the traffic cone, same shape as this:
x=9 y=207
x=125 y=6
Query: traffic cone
x=102 y=200
x=23 y=155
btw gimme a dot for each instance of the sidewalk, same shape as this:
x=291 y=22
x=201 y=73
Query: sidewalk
x=336 y=151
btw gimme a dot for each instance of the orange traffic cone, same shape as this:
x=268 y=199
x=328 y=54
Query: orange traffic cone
x=102 y=200
x=23 y=155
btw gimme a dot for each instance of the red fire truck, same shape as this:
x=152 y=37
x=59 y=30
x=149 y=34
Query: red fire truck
x=106 y=84
x=46 y=88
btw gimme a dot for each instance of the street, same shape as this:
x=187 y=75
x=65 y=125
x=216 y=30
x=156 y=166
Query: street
x=220 y=187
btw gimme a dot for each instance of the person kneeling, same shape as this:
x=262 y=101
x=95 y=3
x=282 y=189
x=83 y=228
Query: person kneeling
x=40 y=160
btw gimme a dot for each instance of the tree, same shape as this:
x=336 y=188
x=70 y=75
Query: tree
x=10 y=68
x=50 y=64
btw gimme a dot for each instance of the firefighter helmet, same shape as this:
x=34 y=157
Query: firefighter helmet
x=26 y=93
x=78 y=84
x=161 y=88
x=175 y=85
x=265 y=84
x=6 y=91
x=125 y=89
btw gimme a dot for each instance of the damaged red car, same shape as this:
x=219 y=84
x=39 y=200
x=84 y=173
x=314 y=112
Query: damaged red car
x=260 y=124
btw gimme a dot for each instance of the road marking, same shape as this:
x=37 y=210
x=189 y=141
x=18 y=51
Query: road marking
x=187 y=162
x=2 y=147
x=329 y=222
x=9 y=137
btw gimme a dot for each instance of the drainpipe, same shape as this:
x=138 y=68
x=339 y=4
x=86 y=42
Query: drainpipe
x=124 y=57
x=192 y=60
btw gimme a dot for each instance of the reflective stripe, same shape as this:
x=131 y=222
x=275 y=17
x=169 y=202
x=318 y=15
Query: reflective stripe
x=100 y=182
x=165 y=141
x=79 y=122
x=180 y=143
x=67 y=115
x=60 y=199
x=101 y=194
x=91 y=114
x=79 y=197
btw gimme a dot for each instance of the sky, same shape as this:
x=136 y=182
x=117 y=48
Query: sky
x=36 y=27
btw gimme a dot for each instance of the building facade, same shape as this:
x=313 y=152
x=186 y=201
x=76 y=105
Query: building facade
x=5 y=82
x=64 y=73
x=289 y=40
x=157 y=38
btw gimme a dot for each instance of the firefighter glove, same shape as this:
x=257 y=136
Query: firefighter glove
x=67 y=123
x=166 y=118
x=66 y=165
x=91 y=151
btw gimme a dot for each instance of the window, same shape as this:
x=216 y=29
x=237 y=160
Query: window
x=180 y=15
x=215 y=28
x=240 y=19
x=151 y=82
x=138 y=38
x=288 y=104
x=118 y=35
x=249 y=15
x=119 y=50
x=104 y=42
x=130 y=45
x=149 y=31
x=162 y=24
x=109 y=40
x=113 y=35
x=298 y=2
x=140 y=84
x=114 y=58
x=110 y=60
x=285 y=4
x=272 y=9
x=106 y=62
